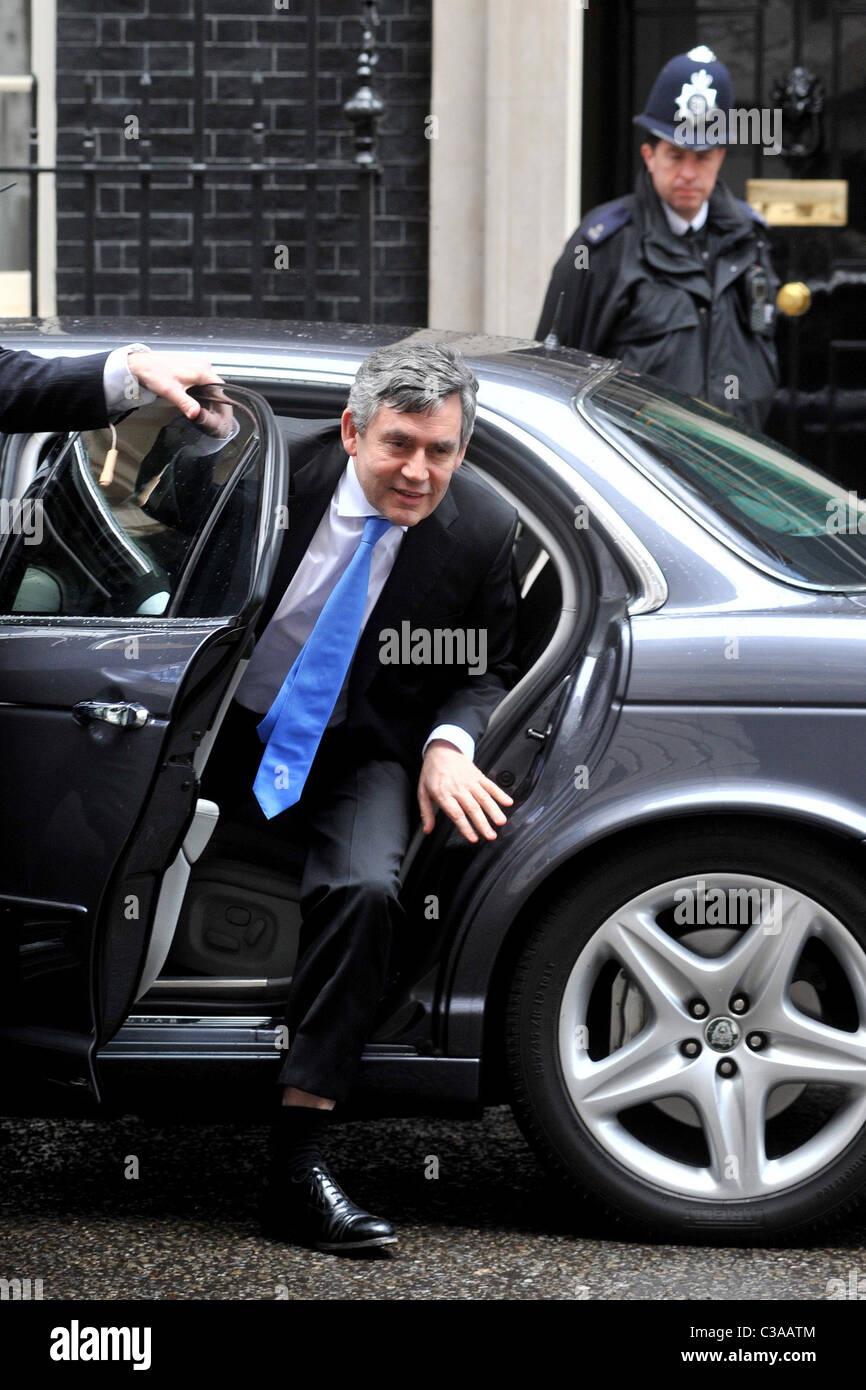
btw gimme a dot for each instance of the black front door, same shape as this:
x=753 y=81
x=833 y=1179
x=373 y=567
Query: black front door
x=126 y=593
x=820 y=409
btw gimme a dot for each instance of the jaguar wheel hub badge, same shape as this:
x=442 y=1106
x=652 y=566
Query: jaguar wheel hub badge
x=722 y=1034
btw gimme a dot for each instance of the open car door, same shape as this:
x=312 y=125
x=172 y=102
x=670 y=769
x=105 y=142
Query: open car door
x=128 y=587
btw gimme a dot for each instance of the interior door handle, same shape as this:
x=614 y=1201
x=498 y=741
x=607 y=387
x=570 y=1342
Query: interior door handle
x=127 y=716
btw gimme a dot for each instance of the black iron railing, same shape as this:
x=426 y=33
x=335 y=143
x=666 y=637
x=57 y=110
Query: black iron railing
x=265 y=176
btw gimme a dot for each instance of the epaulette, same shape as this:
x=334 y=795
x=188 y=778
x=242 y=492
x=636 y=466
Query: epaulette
x=753 y=212
x=603 y=221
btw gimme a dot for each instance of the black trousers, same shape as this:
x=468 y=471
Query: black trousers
x=353 y=820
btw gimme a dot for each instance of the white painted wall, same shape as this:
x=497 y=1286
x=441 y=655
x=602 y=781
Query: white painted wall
x=27 y=45
x=504 y=176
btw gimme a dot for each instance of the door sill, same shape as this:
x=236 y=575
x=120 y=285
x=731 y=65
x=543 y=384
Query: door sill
x=188 y=1034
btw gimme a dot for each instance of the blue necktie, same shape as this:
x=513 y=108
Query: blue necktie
x=295 y=722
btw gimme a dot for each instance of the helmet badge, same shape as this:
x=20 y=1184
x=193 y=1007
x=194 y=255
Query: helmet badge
x=697 y=97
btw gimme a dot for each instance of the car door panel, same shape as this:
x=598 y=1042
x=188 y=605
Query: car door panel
x=93 y=810
x=65 y=664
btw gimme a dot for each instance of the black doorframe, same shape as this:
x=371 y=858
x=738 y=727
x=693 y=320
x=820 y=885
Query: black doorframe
x=608 y=84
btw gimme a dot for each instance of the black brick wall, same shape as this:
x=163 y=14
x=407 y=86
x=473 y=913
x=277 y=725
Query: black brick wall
x=117 y=40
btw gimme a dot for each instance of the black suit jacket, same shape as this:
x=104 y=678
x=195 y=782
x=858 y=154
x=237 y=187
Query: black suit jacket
x=453 y=571
x=63 y=394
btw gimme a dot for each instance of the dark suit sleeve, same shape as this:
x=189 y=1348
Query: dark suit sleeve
x=64 y=393
x=494 y=611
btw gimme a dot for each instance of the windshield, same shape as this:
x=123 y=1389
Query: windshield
x=769 y=503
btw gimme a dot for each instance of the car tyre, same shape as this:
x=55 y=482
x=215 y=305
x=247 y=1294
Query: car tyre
x=565 y=1102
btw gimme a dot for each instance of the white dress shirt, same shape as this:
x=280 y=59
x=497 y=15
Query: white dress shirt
x=327 y=557
x=122 y=389
x=678 y=225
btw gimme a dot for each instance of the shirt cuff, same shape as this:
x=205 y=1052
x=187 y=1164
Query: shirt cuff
x=454 y=734
x=212 y=443
x=122 y=390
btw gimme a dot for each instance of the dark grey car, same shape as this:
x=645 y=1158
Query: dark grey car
x=660 y=962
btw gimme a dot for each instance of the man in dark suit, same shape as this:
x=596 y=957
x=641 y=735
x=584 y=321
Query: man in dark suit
x=437 y=582
x=83 y=393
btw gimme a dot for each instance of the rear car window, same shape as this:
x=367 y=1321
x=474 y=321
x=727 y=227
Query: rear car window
x=757 y=495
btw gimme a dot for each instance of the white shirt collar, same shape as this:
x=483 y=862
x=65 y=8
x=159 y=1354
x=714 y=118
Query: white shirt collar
x=350 y=498
x=678 y=225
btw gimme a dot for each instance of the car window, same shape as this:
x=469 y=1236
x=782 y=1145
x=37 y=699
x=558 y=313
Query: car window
x=164 y=528
x=772 y=504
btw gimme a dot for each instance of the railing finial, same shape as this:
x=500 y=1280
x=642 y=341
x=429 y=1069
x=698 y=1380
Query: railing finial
x=365 y=108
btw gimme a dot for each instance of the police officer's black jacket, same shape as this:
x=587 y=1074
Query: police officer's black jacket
x=637 y=291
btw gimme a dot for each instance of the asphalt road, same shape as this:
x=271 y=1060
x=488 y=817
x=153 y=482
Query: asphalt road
x=186 y=1226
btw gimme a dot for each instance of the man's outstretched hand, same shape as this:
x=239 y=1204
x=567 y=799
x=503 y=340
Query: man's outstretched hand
x=451 y=781
x=168 y=374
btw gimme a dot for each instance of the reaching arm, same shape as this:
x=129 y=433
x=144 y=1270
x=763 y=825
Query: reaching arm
x=82 y=393
x=38 y=393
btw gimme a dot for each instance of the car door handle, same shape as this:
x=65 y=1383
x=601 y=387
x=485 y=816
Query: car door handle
x=127 y=716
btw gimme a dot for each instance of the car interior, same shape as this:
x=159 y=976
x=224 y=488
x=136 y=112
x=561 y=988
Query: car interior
x=227 y=919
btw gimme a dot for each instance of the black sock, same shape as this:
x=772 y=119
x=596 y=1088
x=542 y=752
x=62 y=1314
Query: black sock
x=297 y=1132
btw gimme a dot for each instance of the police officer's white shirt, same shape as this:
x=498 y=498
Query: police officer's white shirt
x=678 y=225
x=328 y=554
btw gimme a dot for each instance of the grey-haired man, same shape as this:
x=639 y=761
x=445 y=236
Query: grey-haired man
x=398 y=731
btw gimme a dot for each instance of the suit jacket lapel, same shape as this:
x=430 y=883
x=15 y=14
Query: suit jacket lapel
x=310 y=491
x=426 y=548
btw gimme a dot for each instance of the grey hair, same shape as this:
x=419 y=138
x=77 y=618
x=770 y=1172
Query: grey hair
x=414 y=378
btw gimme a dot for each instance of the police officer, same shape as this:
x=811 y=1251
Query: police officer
x=675 y=279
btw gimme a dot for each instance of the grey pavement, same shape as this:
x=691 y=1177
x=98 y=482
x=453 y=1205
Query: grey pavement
x=487 y=1227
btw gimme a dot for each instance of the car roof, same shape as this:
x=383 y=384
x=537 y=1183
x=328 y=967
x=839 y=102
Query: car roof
x=559 y=372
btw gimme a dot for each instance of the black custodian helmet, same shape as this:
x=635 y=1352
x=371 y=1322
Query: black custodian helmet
x=684 y=97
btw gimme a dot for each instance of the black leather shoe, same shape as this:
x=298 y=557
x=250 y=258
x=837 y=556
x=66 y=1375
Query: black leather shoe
x=312 y=1208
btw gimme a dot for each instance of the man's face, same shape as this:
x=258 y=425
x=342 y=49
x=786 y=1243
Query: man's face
x=405 y=462
x=683 y=178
